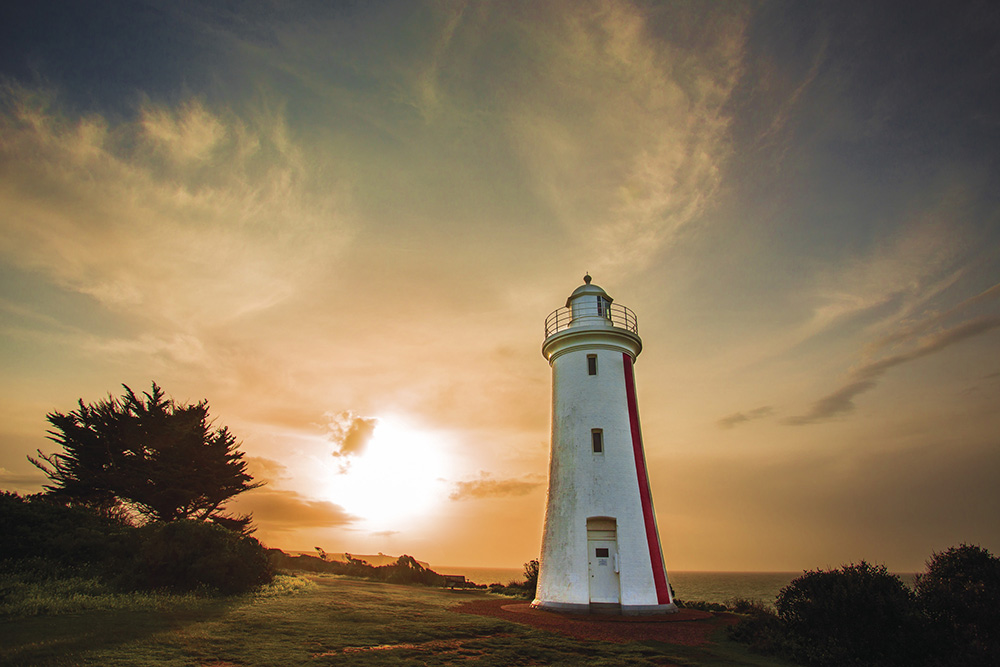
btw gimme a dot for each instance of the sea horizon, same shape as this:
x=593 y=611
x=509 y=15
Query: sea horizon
x=689 y=585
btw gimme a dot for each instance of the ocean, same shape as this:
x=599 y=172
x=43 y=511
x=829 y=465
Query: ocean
x=691 y=586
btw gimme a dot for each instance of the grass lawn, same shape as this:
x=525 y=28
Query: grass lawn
x=325 y=621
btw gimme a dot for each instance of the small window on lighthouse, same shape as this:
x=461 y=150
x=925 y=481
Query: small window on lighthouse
x=601 y=305
x=591 y=364
x=597 y=440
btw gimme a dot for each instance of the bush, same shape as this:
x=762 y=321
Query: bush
x=531 y=577
x=856 y=615
x=762 y=630
x=45 y=535
x=186 y=555
x=44 y=539
x=700 y=605
x=741 y=605
x=960 y=594
x=406 y=570
x=527 y=589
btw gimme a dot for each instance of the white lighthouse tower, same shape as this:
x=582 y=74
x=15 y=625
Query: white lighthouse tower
x=600 y=548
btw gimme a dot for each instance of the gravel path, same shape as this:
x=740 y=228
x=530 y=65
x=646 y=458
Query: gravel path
x=687 y=626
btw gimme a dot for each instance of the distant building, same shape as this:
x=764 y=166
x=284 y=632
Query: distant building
x=600 y=546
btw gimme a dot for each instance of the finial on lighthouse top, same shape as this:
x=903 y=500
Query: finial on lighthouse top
x=587 y=278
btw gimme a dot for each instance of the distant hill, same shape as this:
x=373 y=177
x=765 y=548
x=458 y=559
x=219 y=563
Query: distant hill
x=376 y=560
x=402 y=570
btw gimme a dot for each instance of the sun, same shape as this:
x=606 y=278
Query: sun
x=398 y=478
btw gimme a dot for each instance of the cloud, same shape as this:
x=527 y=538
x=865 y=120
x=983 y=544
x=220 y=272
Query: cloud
x=188 y=135
x=186 y=215
x=898 y=276
x=865 y=377
x=176 y=349
x=263 y=468
x=838 y=403
x=282 y=510
x=913 y=329
x=350 y=433
x=385 y=533
x=622 y=122
x=487 y=487
x=738 y=418
x=930 y=345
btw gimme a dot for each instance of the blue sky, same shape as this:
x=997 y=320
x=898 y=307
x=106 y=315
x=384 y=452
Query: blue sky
x=326 y=216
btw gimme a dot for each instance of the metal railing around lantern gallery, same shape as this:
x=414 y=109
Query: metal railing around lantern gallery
x=616 y=315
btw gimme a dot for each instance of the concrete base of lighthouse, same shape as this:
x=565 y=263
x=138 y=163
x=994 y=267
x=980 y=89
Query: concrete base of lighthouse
x=609 y=609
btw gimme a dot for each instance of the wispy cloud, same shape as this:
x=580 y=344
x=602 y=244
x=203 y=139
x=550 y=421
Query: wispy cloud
x=865 y=377
x=900 y=274
x=488 y=487
x=187 y=213
x=911 y=329
x=624 y=132
x=737 y=418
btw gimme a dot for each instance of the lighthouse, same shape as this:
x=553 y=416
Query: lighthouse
x=600 y=546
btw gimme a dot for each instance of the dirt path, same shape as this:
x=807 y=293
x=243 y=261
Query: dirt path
x=687 y=627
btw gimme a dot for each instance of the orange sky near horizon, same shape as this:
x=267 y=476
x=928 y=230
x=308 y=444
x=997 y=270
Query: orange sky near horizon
x=344 y=227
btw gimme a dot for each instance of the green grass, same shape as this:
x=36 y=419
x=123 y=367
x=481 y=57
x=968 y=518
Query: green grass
x=323 y=620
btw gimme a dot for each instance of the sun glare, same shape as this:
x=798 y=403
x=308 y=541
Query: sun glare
x=398 y=478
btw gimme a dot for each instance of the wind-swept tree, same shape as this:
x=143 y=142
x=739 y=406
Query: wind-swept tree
x=149 y=456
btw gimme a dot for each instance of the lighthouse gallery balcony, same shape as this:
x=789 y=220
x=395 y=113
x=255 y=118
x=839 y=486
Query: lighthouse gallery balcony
x=590 y=315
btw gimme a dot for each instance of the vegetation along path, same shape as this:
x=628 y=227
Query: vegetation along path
x=330 y=620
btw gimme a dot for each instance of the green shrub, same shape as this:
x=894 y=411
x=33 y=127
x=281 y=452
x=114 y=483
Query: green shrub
x=762 y=630
x=700 y=605
x=406 y=570
x=741 y=605
x=186 y=555
x=46 y=535
x=856 y=615
x=960 y=594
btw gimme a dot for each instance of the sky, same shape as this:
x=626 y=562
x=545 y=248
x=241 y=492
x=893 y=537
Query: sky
x=343 y=225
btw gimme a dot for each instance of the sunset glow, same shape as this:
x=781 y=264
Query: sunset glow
x=344 y=224
x=400 y=478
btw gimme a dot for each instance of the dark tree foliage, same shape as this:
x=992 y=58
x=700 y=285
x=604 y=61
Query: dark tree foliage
x=531 y=577
x=856 y=615
x=960 y=593
x=149 y=455
x=188 y=555
x=60 y=539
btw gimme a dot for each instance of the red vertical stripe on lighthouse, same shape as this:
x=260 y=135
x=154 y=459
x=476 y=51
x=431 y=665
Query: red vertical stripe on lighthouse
x=655 y=555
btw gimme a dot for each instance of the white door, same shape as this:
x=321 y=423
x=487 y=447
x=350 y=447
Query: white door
x=604 y=585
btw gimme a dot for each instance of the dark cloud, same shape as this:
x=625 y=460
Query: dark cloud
x=737 y=418
x=931 y=345
x=912 y=330
x=838 y=403
x=487 y=487
x=865 y=377
x=282 y=510
x=351 y=433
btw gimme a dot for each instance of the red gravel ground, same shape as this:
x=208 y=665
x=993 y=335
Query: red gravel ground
x=687 y=627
